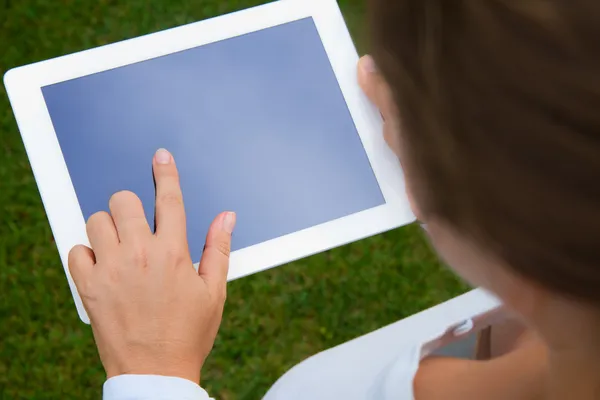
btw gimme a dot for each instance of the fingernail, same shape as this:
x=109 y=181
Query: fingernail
x=163 y=156
x=229 y=222
x=369 y=65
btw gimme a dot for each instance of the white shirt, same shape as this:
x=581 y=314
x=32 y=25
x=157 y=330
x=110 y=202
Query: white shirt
x=394 y=381
x=152 y=387
x=382 y=365
x=378 y=366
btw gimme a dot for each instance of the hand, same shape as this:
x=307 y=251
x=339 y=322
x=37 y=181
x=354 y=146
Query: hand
x=377 y=90
x=151 y=312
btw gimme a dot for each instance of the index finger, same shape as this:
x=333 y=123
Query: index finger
x=169 y=213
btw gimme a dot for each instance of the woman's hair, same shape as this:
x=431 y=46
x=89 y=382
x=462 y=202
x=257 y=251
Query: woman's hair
x=499 y=102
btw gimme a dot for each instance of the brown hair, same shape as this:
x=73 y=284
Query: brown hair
x=500 y=106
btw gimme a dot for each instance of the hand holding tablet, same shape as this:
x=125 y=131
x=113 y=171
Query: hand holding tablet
x=260 y=108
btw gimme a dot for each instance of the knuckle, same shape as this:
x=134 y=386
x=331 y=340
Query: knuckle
x=175 y=255
x=170 y=199
x=98 y=217
x=77 y=258
x=123 y=197
x=74 y=257
x=113 y=276
x=221 y=296
x=223 y=247
x=85 y=288
x=97 y=220
x=138 y=255
x=73 y=252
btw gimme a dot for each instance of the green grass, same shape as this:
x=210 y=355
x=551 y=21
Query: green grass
x=272 y=320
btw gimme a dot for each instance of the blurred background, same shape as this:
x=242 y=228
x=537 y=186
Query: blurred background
x=272 y=320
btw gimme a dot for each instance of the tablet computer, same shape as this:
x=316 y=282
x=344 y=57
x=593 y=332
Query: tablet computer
x=261 y=110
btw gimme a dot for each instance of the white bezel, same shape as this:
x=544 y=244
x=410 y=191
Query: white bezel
x=24 y=85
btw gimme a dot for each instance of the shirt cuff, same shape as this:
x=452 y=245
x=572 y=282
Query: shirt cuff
x=152 y=387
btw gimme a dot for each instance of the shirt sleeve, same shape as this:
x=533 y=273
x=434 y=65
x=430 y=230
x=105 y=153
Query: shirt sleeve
x=152 y=387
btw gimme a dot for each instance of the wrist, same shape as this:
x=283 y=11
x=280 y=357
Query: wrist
x=178 y=369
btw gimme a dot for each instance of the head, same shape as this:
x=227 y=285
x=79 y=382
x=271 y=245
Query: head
x=493 y=108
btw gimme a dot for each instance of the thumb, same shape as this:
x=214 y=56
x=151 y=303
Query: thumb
x=373 y=84
x=214 y=264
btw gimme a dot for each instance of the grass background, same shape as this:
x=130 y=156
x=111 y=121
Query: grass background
x=272 y=320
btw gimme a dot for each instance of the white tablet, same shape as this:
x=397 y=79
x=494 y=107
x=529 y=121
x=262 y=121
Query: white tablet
x=262 y=111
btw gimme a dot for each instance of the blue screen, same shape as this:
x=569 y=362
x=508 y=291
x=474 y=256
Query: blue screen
x=257 y=125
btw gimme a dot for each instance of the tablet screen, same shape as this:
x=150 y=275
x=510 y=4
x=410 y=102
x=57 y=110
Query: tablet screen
x=257 y=125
